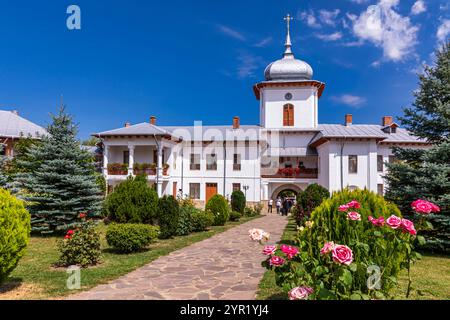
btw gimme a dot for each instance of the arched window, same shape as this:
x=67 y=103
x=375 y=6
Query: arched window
x=288 y=115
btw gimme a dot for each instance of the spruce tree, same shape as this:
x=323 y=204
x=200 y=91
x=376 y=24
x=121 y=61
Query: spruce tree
x=58 y=180
x=3 y=177
x=425 y=174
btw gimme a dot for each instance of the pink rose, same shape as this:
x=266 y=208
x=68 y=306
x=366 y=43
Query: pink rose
x=354 y=216
x=354 y=204
x=343 y=208
x=394 y=222
x=435 y=208
x=289 y=251
x=269 y=250
x=300 y=293
x=342 y=254
x=276 y=261
x=408 y=226
x=327 y=248
x=422 y=206
x=377 y=222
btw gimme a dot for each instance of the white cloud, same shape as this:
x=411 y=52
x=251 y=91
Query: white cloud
x=329 y=17
x=418 y=7
x=349 y=100
x=231 y=32
x=248 y=64
x=443 y=31
x=264 y=42
x=329 y=37
x=309 y=18
x=386 y=29
x=359 y=1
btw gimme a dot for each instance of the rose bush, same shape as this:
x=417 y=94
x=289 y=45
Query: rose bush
x=345 y=239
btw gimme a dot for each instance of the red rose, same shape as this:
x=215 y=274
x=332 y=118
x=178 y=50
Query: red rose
x=82 y=215
x=423 y=206
x=70 y=232
x=276 y=261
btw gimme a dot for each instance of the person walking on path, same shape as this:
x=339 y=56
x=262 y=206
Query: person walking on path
x=278 y=204
x=270 y=205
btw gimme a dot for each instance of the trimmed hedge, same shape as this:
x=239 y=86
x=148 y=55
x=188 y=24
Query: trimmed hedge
x=235 y=216
x=201 y=220
x=131 y=237
x=168 y=216
x=308 y=200
x=14 y=232
x=185 y=225
x=238 y=201
x=218 y=206
x=132 y=201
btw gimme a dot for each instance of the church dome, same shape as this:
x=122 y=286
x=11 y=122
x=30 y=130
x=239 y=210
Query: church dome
x=288 y=68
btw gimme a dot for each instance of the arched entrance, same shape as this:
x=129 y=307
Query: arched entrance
x=286 y=190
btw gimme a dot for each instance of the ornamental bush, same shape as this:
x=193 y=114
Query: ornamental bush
x=14 y=232
x=201 y=220
x=238 y=201
x=308 y=200
x=235 y=216
x=168 y=216
x=185 y=220
x=130 y=237
x=132 y=201
x=218 y=206
x=348 y=238
x=80 y=247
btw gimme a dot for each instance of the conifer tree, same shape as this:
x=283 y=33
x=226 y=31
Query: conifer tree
x=3 y=177
x=426 y=173
x=57 y=179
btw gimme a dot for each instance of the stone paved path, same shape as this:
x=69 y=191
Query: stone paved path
x=226 y=266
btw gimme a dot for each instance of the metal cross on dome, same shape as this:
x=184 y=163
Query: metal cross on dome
x=288 y=20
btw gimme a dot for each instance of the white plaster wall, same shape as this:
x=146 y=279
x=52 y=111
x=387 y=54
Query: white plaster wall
x=303 y=99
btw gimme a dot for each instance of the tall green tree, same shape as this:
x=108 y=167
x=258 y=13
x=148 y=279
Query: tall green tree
x=58 y=179
x=429 y=115
x=425 y=174
x=3 y=177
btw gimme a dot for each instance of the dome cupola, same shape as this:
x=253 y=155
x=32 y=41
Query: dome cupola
x=288 y=68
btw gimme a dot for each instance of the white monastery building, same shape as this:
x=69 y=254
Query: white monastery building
x=288 y=150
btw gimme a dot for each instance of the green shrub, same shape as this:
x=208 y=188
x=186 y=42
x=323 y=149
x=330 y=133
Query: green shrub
x=14 y=232
x=308 y=200
x=374 y=247
x=131 y=237
x=168 y=216
x=218 y=206
x=80 y=247
x=238 y=201
x=235 y=216
x=253 y=211
x=185 y=221
x=201 y=220
x=132 y=201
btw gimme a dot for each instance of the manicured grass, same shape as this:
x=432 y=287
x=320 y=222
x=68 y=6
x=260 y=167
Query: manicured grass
x=35 y=278
x=431 y=277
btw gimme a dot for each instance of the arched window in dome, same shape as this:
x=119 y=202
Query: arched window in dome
x=288 y=115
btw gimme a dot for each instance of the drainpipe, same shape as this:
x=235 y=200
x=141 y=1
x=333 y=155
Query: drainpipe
x=342 y=163
x=224 y=166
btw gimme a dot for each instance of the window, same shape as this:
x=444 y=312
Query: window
x=126 y=157
x=236 y=187
x=380 y=163
x=195 y=161
x=194 y=190
x=237 y=162
x=211 y=161
x=392 y=159
x=380 y=189
x=352 y=164
x=288 y=115
x=2 y=150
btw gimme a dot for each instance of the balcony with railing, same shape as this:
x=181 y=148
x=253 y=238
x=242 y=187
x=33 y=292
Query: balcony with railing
x=291 y=168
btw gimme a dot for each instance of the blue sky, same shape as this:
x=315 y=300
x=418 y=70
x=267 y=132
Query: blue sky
x=198 y=60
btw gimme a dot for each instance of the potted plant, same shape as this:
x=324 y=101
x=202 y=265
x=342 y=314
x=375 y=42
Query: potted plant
x=165 y=169
x=117 y=169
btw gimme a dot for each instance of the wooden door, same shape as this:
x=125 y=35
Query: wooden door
x=211 y=189
x=175 y=191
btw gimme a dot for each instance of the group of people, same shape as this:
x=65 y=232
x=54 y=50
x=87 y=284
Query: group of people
x=283 y=205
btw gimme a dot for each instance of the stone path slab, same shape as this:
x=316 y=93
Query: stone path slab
x=226 y=266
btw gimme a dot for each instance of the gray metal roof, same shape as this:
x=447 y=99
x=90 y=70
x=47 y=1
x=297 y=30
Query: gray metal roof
x=142 y=129
x=365 y=131
x=14 y=126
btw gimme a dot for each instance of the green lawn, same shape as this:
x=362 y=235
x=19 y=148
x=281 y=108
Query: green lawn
x=35 y=278
x=431 y=277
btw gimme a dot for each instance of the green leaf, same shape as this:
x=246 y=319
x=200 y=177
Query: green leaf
x=353 y=267
x=355 y=296
x=346 y=278
x=421 y=240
